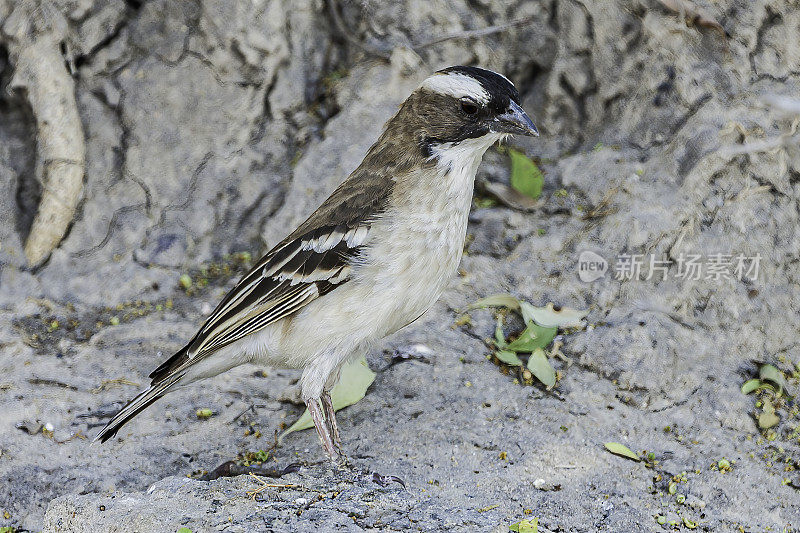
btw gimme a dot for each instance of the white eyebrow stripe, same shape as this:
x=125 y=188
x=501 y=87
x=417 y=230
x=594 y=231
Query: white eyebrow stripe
x=457 y=85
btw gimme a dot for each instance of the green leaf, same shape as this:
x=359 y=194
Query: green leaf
x=499 y=336
x=541 y=368
x=184 y=530
x=525 y=175
x=533 y=337
x=525 y=526
x=508 y=357
x=548 y=317
x=496 y=300
x=355 y=379
x=772 y=374
x=620 y=449
x=204 y=413
x=750 y=385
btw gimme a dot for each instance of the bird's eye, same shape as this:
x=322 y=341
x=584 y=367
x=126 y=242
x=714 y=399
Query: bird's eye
x=468 y=106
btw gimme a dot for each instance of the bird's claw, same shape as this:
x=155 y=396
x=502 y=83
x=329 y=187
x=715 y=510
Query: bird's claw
x=386 y=480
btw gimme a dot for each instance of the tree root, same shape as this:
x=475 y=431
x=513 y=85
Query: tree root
x=34 y=44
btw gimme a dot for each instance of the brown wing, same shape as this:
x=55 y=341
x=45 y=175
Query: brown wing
x=314 y=260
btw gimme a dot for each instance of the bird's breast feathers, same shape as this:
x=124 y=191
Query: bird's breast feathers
x=412 y=251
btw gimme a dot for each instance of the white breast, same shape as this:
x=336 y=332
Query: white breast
x=417 y=246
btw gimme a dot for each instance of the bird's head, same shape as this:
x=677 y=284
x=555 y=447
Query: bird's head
x=459 y=104
x=454 y=115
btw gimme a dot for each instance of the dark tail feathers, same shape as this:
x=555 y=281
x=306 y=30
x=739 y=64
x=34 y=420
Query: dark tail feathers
x=134 y=407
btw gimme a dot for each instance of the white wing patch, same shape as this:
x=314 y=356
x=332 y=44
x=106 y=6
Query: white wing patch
x=354 y=237
x=323 y=243
x=457 y=85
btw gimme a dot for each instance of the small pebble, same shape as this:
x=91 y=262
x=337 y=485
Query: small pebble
x=420 y=349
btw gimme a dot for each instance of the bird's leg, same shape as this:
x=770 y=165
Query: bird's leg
x=322 y=430
x=330 y=418
x=329 y=435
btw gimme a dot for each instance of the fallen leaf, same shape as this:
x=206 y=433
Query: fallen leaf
x=204 y=413
x=771 y=374
x=534 y=336
x=499 y=336
x=620 y=449
x=525 y=175
x=508 y=357
x=355 y=379
x=509 y=196
x=750 y=385
x=496 y=300
x=525 y=526
x=548 y=317
x=541 y=368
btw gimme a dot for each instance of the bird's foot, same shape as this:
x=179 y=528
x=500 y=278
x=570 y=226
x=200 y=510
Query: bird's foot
x=365 y=475
x=232 y=468
x=385 y=480
x=337 y=459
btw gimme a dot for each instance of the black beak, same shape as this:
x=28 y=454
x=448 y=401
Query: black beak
x=515 y=120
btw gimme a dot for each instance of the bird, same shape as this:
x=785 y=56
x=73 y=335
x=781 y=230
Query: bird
x=373 y=258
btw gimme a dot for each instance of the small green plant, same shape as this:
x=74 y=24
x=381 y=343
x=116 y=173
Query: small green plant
x=541 y=326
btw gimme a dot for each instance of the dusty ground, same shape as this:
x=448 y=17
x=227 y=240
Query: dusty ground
x=211 y=129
